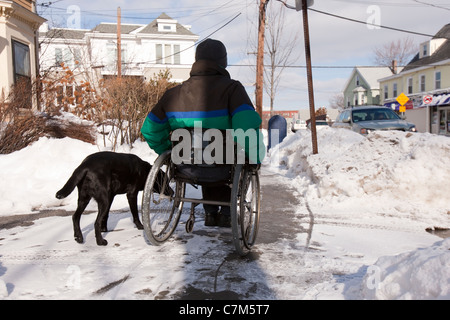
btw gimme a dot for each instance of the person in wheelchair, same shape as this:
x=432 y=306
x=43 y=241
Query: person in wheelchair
x=217 y=101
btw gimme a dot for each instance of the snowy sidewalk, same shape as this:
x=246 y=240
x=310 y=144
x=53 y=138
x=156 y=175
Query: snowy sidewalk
x=40 y=260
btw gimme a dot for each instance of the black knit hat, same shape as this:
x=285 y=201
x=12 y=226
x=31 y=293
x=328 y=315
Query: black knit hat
x=213 y=50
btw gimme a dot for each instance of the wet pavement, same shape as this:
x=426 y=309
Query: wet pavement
x=234 y=277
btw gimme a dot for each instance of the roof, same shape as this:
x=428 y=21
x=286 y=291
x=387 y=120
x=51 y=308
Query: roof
x=152 y=27
x=112 y=28
x=370 y=75
x=59 y=33
x=441 y=54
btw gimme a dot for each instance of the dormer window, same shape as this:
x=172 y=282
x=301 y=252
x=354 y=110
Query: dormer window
x=166 y=25
x=425 y=50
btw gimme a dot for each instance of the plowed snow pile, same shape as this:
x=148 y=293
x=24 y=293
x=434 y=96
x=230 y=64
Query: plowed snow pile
x=387 y=173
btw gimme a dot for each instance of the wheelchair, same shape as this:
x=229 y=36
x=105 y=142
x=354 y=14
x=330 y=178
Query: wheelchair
x=162 y=209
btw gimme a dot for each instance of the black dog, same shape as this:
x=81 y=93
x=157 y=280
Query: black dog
x=102 y=176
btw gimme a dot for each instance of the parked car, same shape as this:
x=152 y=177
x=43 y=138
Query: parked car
x=298 y=125
x=371 y=118
x=319 y=124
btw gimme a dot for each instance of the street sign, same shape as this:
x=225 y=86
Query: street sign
x=402 y=99
x=298 y=4
x=427 y=99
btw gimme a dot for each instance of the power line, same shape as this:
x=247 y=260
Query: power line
x=363 y=22
x=372 y=24
x=201 y=11
x=325 y=66
x=432 y=5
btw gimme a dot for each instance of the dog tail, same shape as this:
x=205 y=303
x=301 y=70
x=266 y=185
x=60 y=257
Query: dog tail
x=73 y=181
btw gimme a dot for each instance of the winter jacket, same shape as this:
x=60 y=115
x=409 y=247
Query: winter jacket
x=209 y=96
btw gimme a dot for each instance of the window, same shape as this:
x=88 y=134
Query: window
x=159 y=53
x=386 y=91
x=437 y=80
x=112 y=54
x=422 y=83
x=22 y=72
x=410 y=85
x=167 y=27
x=64 y=55
x=357 y=80
x=21 y=56
x=394 y=91
x=168 y=54
x=177 y=54
x=58 y=56
x=425 y=50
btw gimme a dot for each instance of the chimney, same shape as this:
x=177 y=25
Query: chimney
x=394 y=66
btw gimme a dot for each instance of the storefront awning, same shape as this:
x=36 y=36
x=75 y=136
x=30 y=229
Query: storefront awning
x=438 y=100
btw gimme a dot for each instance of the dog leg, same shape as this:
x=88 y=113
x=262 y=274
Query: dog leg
x=83 y=201
x=132 y=201
x=103 y=211
x=104 y=225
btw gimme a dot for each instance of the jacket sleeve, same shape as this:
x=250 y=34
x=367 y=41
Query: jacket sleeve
x=245 y=123
x=156 y=132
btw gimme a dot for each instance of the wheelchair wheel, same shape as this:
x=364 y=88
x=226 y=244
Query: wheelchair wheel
x=245 y=196
x=161 y=205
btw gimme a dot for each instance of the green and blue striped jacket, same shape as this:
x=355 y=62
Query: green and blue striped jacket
x=209 y=96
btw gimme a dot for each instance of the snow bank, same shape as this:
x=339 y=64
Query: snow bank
x=387 y=173
x=32 y=176
x=419 y=274
x=391 y=180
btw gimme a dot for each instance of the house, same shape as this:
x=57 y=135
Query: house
x=18 y=59
x=362 y=88
x=426 y=82
x=146 y=49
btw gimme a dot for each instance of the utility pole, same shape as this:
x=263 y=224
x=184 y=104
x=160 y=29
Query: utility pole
x=119 y=43
x=260 y=57
x=304 y=7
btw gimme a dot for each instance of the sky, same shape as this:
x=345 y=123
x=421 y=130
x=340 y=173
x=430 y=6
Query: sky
x=337 y=45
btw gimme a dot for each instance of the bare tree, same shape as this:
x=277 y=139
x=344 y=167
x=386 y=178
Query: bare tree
x=279 y=46
x=337 y=102
x=400 y=50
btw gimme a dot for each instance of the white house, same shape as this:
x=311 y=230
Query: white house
x=362 y=87
x=146 y=49
x=18 y=26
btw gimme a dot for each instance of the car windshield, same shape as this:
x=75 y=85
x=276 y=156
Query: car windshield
x=374 y=114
